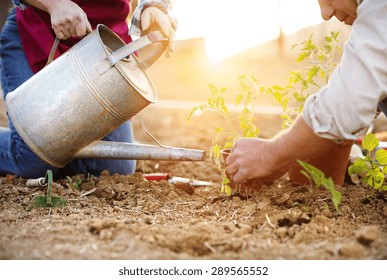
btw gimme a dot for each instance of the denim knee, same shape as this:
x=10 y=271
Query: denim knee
x=96 y=166
x=33 y=168
x=27 y=163
x=33 y=171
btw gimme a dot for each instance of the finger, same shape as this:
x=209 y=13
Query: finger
x=327 y=12
x=340 y=16
x=174 y=23
x=351 y=9
x=89 y=29
x=145 y=21
x=172 y=40
x=80 y=30
x=232 y=169
x=240 y=177
x=82 y=27
x=349 y=20
x=165 y=27
x=73 y=31
x=167 y=52
x=60 y=35
x=233 y=148
x=66 y=34
x=229 y=159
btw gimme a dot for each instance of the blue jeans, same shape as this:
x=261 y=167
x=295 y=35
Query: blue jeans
x=15 y=156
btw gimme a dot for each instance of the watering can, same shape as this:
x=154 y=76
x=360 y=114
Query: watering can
x=64 y=110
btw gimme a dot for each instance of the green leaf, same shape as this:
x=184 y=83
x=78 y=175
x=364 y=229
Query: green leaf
x=336 y=198
x=227 y=145
x=375 y=178
x=241 y=77
x=302 y=56
x=314 y=172
x=193 y=110
x=293 y=46
x=226 y=180
x=358 y=167
x=225 y=186
x=238 y=99
x=319 y=179
x=312 y=73
x=212 y=87
x=381 y=157
x=335 y=34
x=306 y=174
x=216 y=151
x=328 y=39
x=299 y=97
x=370 y=142
x=278 y=88
x=335 y=194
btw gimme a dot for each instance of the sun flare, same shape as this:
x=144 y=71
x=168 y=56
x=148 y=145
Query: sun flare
x=230 y=27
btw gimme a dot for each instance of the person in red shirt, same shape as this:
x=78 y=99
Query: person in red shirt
x=25 y=43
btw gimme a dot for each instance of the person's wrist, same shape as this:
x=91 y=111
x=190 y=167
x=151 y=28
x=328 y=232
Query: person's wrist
x=282 y=157
x=51 y=5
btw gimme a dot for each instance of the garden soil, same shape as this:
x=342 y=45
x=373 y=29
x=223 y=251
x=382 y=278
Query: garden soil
x=128 y=217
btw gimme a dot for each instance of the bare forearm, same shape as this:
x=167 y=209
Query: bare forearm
x=45 y=5
x=270 y=159
x=67 y=18
x=300 y=142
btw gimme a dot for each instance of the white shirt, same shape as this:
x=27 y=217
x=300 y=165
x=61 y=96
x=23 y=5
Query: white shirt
x=349 y=102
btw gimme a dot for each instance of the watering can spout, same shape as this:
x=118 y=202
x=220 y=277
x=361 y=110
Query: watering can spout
x=120 y=150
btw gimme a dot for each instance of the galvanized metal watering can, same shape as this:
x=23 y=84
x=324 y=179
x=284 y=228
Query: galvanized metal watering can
x=66 y=108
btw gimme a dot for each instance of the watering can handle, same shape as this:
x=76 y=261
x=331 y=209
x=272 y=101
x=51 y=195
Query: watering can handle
x=150 y=38
x=53 y=50
x=112 y=59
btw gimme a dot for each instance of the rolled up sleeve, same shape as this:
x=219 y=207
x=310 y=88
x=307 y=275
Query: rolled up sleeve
x=19 y=4
x=349 y=102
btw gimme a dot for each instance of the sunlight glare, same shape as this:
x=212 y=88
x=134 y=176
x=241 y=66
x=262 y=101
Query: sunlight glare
x=236 y=27
x=231 y=26
x=298 y=14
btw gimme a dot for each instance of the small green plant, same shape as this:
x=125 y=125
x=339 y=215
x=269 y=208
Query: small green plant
x=238 y=127
x=47 y=201
x=74 y=184
x=317 y=177
x=373 y=167
x=321 y=61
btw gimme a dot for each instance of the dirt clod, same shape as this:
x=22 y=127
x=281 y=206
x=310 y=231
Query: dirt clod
x=368 y=235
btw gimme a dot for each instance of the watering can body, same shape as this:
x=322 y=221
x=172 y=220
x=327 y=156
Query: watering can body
x=80 y=97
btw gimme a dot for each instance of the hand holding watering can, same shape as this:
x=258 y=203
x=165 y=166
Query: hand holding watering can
x=69 y=20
